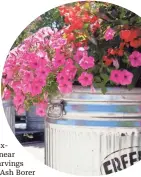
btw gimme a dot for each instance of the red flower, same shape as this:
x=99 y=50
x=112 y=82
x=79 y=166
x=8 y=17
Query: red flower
x=77 y=7
x=78 y=24
x=97 y=25
x=111 y=51
x=81 y=43
x=86 y=17
x=107 y=61
x=135 y=43
x=120 y=52
x=70 y=37
x=62 y=10
x=128 y=35
x=122 y=44
x=94 y=19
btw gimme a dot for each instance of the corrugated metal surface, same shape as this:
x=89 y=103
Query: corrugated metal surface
x=10 y=114
x=98 y=134
x=34 y=122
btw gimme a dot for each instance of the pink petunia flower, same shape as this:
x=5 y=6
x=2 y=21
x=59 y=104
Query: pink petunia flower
x=116 y=76
x=85 y=79
x=135 y=59
x=109 y=34
x=57 y=41
x=42 y=104
x=27 y=75
x=58 y=60
x=65 y=87
x=36 y=88
x=62 y=77
x=18 y=100
x=41 y=108
x=20 y=110
x=33 y=61
x=87 y=62
x=126 y=77
x=69 y=62
x=26 y=87
x=116 y=63
x=42 y=62
x=40 y=111
x=16 y=85
x=9 y=72
x=70 y=71
x=6 y=94
x=43 y=55
x=79 y=54
x=40 y=81
x=43 y=72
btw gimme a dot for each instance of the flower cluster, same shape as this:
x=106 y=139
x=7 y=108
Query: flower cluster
x=122 y=77
x=29 y=66
x=85 y=51
x=78 y=17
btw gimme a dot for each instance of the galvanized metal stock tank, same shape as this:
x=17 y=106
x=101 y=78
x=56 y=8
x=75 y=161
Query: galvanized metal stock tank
x=9 y=111
x=94 y=134
x=34 y=122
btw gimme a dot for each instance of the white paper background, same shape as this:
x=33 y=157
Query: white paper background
x=15 y=15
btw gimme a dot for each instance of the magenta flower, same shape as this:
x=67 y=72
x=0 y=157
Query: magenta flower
x=109 y=34
x=26 y=87
x=42 y=72
x=42 y=62
x=62 y=77
x=9 y=72
x=16 y=85
x=41 y=108
x=18 y=100
x=85 y=79
x=57 y=41
x=36 y=88
x=116 y=76
x=42 y=54
x=40 y=81
x=42 y=104
x=87 y=62
x=40 y=111
x=58 y=60
x=46 y=31
x=34 y=61
x=27 y=75
x=20 y=110
x=69 y=62
x=126 y=77
x=79 y=54
x=70 y=71
x=6 y=94
x=135 y=59
x=116 y=63
x=65 y=87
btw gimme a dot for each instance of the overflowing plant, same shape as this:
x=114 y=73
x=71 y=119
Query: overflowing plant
x=98 y=46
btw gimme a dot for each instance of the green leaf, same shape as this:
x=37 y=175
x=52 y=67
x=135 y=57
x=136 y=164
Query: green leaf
x=97 y=79
x=105 y=77
x=97 y=85
x=104 y=90
x=86 y=25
